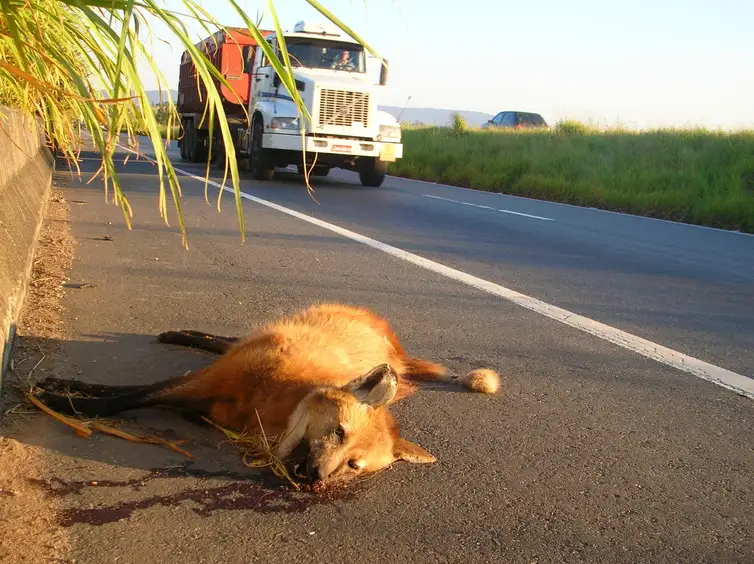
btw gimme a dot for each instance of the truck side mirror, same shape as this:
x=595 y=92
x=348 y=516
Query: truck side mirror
x=383 y=72
x=276 y=80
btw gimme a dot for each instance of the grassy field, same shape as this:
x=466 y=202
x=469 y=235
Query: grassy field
x=693 y=176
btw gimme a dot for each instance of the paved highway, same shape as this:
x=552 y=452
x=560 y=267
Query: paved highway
x=592 y=452
x=684 y=287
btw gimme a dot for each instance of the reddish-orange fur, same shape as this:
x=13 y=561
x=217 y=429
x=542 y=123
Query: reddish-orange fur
x=273 y=369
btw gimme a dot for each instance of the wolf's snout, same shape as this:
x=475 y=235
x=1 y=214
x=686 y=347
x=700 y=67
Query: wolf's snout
x=313 y=471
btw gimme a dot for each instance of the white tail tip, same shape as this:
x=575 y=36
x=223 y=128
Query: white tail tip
x=482 y=380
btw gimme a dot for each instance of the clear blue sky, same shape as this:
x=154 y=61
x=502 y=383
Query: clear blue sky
x=640 y=63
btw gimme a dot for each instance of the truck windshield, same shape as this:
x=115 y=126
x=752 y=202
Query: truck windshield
x=319 y=54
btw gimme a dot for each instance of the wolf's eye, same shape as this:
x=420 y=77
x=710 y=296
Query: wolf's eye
x=354 y=464
x=340 y=432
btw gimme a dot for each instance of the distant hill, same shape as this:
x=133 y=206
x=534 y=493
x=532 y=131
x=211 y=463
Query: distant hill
x=154 y=96
x=426 y=116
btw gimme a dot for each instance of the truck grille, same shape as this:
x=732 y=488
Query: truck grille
x=342 y=107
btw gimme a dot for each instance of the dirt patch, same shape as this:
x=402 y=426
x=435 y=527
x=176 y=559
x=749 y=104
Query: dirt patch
x=41 y=321
x=28 y=516
x=30 y=532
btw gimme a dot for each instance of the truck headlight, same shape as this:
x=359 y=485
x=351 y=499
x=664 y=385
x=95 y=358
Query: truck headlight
x=284 y=123
x=389 y=132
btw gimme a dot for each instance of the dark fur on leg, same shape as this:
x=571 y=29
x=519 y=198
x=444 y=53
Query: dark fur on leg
x=93 y=406
x=114 y=399
x=206 y=335
x=198 y=340
x=61 y=386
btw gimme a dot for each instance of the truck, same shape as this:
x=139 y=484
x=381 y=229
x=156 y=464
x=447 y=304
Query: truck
x=347 y=129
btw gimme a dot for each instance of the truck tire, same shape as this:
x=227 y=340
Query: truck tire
x=182 y=144
x=372 y=172
x=190 y=141
x=201 y=153
x=261 y=169
x=196 y=152
x=218 y=154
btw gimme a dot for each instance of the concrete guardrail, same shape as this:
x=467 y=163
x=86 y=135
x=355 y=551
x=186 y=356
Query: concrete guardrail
x=25 y=181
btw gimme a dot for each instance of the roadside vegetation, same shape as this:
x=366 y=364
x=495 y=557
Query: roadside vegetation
x=166 y=126
x=693 y=176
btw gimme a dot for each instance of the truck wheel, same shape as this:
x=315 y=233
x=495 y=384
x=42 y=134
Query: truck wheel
x=260 y=167
x=218 y=154
x=182 y=144
x=195 y=152
x=189 y=141
x=200 y=154
x=372 y=172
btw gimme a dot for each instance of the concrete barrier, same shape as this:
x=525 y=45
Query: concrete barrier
x=26 y=167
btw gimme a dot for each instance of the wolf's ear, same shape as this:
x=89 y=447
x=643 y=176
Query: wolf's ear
x=377 y=387
x=411 y=452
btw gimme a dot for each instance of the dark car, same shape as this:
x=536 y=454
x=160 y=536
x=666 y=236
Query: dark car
x=515 y=120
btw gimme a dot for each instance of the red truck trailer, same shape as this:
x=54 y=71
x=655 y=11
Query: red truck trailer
x=232 y=52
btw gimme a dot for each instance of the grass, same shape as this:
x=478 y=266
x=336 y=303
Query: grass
x=693 y=176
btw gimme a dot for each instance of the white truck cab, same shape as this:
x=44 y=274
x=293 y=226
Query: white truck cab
x=347 y=128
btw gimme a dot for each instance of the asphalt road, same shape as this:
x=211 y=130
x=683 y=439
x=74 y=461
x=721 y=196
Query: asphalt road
x=685 y=287
x=591 y=453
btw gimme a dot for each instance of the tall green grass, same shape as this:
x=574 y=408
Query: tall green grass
x=692 y=176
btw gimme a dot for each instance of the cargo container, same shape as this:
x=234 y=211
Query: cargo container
x=232 y=52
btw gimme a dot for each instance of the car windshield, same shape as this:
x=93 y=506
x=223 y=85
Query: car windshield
x=320 y=54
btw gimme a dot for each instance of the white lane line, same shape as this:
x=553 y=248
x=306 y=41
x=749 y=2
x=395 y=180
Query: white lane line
x=715 y=374
x=489 y=208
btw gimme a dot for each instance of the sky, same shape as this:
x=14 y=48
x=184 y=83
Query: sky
x=639 y=64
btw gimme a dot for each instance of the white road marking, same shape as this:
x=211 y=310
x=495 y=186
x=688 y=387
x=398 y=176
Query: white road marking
x=715 y=374
x=488 y=208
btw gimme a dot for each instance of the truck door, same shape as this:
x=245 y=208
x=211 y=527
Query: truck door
x=261 y=78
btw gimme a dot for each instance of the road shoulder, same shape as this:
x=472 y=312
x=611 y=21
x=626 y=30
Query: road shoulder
x=28 y=515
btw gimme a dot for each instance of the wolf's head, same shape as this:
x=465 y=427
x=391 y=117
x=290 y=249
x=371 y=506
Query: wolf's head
x=349 y=429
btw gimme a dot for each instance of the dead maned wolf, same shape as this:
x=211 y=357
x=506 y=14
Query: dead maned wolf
x=325 y=376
